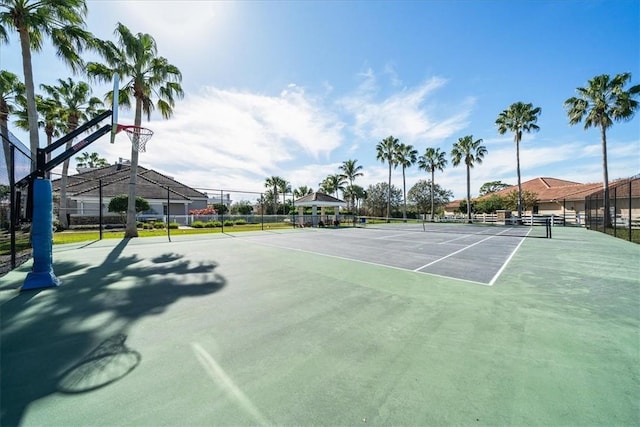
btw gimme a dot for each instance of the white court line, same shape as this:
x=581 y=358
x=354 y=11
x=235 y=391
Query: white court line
x=393 y=235
x=467 y=235
x=493 y=280
x=369 y=263
x=459 y=250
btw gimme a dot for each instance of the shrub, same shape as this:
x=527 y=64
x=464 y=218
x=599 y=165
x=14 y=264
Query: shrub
x=174 y=225
x=205 y=211
x=198 y=224
x=158 y=224
x=240 y=222
x=213 y=224
x=228 y=223
x=140 y=224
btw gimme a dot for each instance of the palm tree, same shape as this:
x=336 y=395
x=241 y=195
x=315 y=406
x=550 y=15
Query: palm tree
x=470 y=152
x=75 y=106
x=356 y=193
x=518 y=118
x=284 y=187
x=11 y=91
x=49 y=119
x=602 y=102
x=385 y=152
x=93 y=160
x=433 y=159
x=274 y=183
x=135 y=58
x=405 y=156
x=63 y=22
x=334 y=183
x=350 y=170
x=302 y=191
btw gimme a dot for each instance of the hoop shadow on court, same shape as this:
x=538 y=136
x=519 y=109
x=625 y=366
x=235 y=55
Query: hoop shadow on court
x=73 y=338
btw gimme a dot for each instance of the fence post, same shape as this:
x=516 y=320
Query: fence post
x=168 y=212
x=12 y=204
x=630 y=185
x=222 y=211
x=100 y=207
x=615 y=209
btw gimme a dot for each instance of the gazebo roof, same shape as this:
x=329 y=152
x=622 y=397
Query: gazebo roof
x=319 y=199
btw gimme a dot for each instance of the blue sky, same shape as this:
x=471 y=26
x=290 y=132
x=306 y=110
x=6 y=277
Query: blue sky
x=296 y=88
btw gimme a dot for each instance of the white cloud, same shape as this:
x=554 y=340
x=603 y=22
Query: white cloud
x=236 y=139
x=405 y=114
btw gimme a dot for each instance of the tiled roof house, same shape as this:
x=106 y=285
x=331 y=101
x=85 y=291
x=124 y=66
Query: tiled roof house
x=555 y=196
x=83 y=191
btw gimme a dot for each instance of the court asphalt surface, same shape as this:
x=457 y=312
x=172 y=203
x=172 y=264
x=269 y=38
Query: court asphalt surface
x=240 y=330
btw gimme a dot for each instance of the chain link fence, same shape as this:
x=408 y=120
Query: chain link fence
x=15 y=164
x=623 y=219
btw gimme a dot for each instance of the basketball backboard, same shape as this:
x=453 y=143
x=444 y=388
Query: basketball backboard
x=114 y=107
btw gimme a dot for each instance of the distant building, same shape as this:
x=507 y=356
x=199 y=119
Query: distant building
x=164 y=194
x=557 y=197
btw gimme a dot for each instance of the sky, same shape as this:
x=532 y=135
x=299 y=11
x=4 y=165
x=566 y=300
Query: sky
x=295 y=88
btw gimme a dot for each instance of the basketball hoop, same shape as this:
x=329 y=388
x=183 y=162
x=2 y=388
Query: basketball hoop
x=138 y=136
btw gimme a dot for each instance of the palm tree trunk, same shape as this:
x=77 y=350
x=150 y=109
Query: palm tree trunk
x=605 y=177
x=432 y=189
x=275 y=200
x=404 y=194
x=132 y=225
x=32 y=113
x=519 y=180
x=63 y=204
x=389 y=195
x=468 y=194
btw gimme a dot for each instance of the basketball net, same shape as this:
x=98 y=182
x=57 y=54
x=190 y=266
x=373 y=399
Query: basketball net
x=138 y=136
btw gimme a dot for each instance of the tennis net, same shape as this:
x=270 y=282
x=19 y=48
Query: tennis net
x=540 y=227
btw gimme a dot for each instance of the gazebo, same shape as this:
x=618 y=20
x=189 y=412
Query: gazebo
x=317 y=200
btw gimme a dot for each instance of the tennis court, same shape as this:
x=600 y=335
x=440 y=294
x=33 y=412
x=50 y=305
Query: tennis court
x=473 y=253
x=325 y=327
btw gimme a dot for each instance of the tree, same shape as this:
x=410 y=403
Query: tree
x=243 y=207
x=405 y=156
x=433 y=159
x=518 y=118
x=93 y=160
x=385 y=152
x=427 y=196
x=150 y=76
x=284 y=187
x=470 y=152
x=11 y=91
x=334 y=183
x=74 y=104
x=49 y=119
x=63 y=22
x=351 y=170
x=529 y=200
x=378 y=197
x=120 y=204
x=602 y=102
x=302 y=191
x=491 y=203
x=492 y=187
x=274 y=183
x=354 y=193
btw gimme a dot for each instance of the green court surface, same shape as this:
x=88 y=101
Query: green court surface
x=220 y=330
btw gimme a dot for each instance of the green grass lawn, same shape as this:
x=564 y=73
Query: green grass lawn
x=74 y=236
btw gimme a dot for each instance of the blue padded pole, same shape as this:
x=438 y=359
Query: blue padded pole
x=42 y=275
